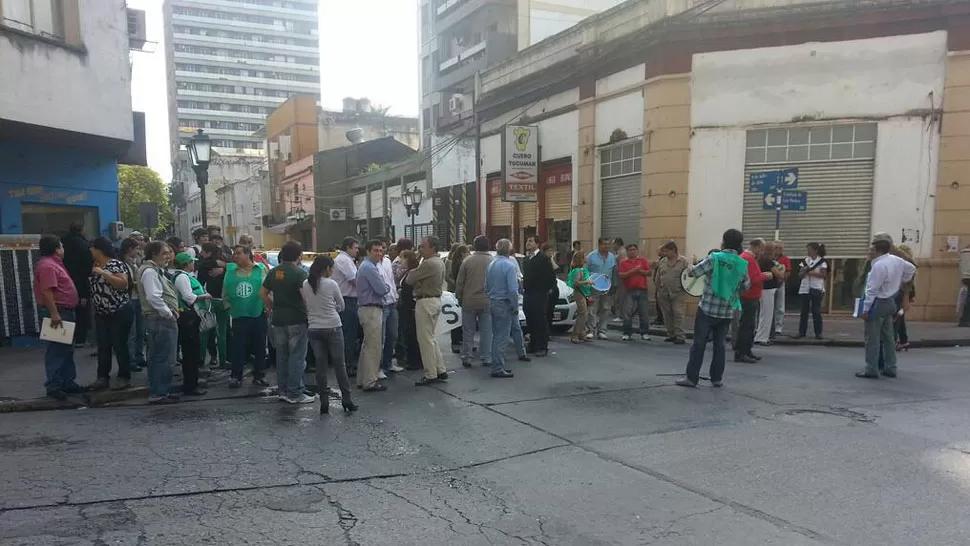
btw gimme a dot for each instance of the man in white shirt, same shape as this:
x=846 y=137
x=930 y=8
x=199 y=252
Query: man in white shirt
x=885 y=280
x=345 y=275
x=386 y=270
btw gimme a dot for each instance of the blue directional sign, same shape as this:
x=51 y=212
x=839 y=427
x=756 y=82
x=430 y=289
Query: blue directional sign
x=790 y=200
x=769 y=180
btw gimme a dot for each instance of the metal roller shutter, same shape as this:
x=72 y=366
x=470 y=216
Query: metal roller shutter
x=528 y=215
x=501 y=212
x=620 y=212
x=559 y=203
x=839 y=212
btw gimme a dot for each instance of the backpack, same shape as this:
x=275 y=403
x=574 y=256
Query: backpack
x=207 y=317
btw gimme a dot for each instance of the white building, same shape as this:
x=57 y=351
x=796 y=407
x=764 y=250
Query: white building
x=241 y=202
x=226 y=171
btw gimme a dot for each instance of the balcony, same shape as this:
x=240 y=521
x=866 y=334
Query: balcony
x=240 y=62
x=230 y=79
x=454 y=11
x=254 y=9
x=246 y=45
x=478 y=57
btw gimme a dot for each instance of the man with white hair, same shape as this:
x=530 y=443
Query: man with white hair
x=502 y=289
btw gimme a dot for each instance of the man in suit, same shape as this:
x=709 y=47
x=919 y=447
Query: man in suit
x=538 y=279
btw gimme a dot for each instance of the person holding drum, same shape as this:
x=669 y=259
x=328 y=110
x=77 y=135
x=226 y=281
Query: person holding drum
x=602 y=265
x=578 y=280
x=726 y=275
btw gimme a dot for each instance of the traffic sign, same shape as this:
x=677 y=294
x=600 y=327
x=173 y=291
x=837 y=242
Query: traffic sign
x=790 y=200
x=769 y=180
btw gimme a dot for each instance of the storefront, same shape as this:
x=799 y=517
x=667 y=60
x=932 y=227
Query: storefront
x=836 y=169
x=500 y=213
x=556 y=187
x=620 y=188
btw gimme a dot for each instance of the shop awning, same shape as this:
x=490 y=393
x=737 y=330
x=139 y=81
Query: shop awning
x=280 y=229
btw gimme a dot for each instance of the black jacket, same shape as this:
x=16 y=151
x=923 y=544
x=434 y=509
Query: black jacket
x=212 y=283
x=538 y=274
x=78 y=262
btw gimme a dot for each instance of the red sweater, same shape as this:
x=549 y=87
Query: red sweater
x=754 y=273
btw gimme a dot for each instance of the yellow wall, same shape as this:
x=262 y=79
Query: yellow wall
x=938 y=281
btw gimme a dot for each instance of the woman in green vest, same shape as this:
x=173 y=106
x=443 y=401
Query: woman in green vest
x=190 y=295
x=578 y=280
x=240 y=292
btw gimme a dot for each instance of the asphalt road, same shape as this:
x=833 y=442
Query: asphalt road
x=592 y=446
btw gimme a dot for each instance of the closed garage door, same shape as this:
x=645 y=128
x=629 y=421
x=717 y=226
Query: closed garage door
x=527 y=215
x=501 y=212
x=621 y=208
x=836 y=167
x=559 y=203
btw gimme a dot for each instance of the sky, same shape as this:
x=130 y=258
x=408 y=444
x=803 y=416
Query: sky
x=368 y=48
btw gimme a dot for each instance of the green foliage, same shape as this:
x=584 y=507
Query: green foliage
x=136 y=185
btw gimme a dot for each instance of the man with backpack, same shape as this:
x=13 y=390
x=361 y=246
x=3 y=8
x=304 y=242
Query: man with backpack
x=190 y=296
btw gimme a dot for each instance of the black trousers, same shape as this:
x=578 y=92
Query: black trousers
x=535 y=307
x=82 y=321
x=746 y=327
x=190 y=341
x=811 y=302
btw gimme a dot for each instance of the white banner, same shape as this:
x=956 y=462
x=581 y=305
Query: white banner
x=450 y=317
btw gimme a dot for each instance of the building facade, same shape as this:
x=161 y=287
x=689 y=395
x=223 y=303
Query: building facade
x=224 y=171
x=873 y=131
x=232 y=62
x=65 y=114
x=240 y=203
x=460 y=39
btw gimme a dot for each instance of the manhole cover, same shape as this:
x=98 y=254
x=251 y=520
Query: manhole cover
x=824 y=418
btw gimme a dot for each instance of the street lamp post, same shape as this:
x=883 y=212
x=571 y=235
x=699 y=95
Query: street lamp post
x=200 y=148
x=412 y=201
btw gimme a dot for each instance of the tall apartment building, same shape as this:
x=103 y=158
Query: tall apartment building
x=459 y=39
x=232 y=62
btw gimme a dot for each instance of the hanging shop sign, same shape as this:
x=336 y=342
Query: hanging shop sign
x=520 y=180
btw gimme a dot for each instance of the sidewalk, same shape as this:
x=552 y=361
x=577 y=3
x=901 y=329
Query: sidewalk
x=22 y=383
x=849 y=332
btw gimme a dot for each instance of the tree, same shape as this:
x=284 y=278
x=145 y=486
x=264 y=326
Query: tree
x=142 y=185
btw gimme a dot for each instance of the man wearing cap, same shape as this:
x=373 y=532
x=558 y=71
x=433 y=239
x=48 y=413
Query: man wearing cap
x=887 y=275
x=190 y=293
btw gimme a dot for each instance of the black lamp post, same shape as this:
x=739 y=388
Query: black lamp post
x=200 y=148
x=412 y=201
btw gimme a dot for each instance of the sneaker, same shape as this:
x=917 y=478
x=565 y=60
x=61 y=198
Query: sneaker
x=684 y=382
x=260 y=382
x=589 y=336
x=602 y=335
x=644 y=337
x=235 y=383
x=625 y=337
x=301 y=399
x=381 y=375
x=395 y=368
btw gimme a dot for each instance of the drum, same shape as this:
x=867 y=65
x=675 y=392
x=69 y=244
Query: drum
x=601 y=283
x=693 y=285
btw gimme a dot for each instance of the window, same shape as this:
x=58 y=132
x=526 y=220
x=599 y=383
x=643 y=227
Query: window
x=811 y=143
x=50 y=18
x=621 y=159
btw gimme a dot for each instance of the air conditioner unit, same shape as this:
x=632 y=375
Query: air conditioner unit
x=456 y=104
x=137 y=36
x=329 y=120
x=338 y=215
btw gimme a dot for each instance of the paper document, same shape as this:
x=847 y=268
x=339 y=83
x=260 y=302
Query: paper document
x=64 y=334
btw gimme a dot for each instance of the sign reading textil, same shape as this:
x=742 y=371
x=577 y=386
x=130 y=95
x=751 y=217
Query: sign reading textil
x=521 y=164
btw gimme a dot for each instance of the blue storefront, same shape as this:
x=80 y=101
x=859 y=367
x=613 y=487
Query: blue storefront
x=46 y=189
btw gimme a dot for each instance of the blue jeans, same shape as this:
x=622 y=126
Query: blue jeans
x=635 y=304
x=136 y=338
x=291 y=344
x=163 y=337
x=59 y=360
x=502 y=323
x=482 y=318
x=248 y=337
x=390 y=336
x=351 y=327
x=704 y=326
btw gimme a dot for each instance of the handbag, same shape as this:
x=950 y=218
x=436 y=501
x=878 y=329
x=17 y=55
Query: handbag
x=207 y=317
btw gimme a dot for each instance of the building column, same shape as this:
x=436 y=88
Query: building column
x=938 y=280
x=666 y=161
x=584 y=201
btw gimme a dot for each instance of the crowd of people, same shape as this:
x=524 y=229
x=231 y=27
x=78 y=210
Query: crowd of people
x=373 y=310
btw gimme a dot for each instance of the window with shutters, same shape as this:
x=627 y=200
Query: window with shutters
x=818 y=143
x=621 y=159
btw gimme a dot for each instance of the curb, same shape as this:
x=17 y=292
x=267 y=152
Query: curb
x=787 y=341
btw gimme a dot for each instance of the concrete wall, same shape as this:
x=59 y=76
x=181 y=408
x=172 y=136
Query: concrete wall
x=87 y=91
x=453 y=162
x=894 y=78
x=57 y=176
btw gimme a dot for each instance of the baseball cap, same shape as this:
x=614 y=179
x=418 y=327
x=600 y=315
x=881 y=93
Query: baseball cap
x=183 y=258
x=882 y=236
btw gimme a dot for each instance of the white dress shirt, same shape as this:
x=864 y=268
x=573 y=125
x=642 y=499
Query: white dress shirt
x=387 y=273
x=152 y=285
x=184 y=288
x=886 y=277
x=345 y=275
